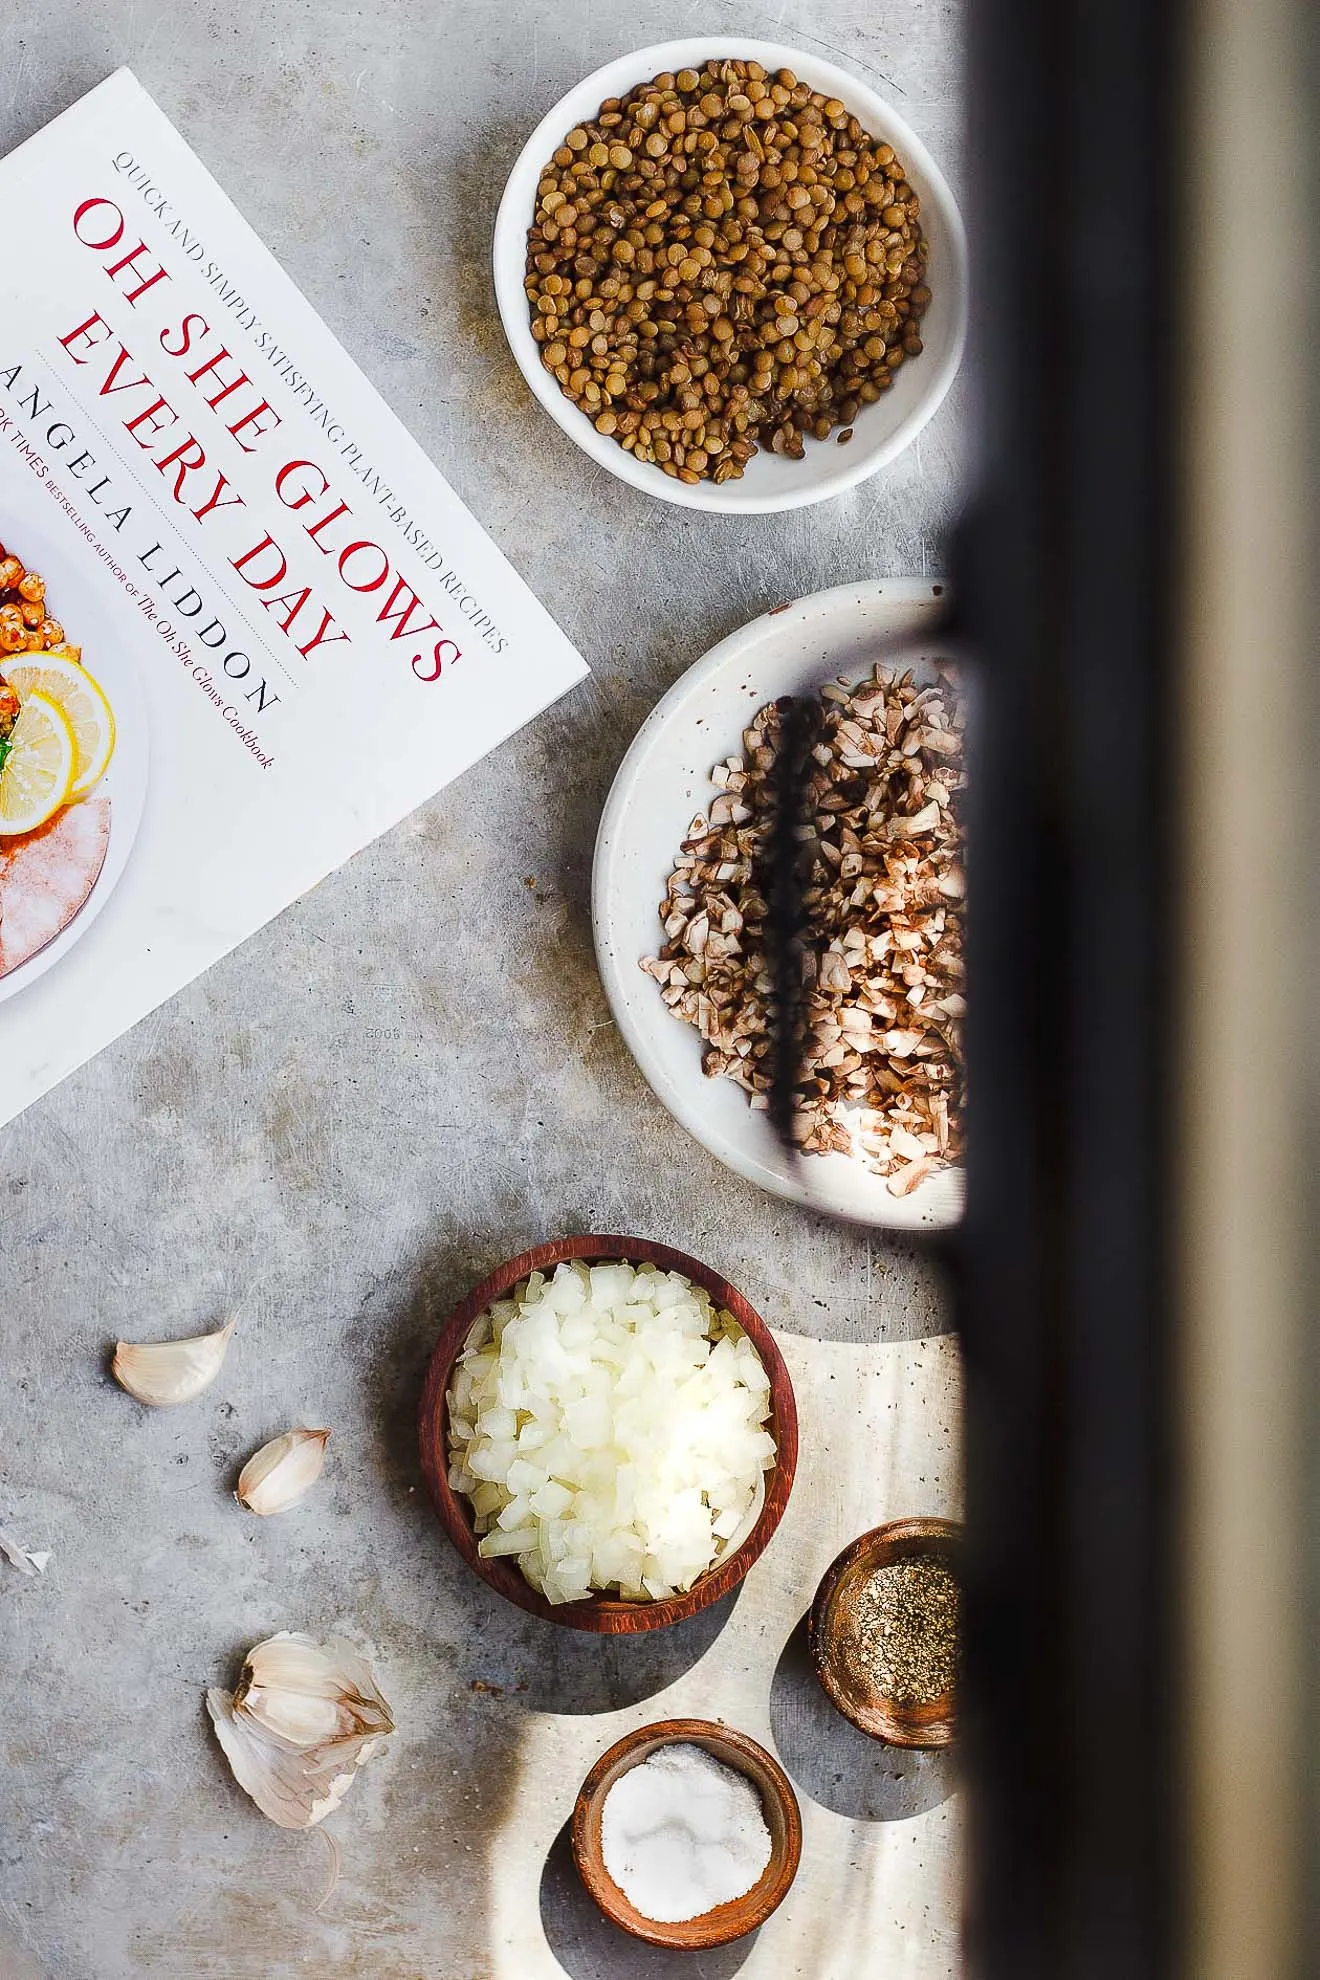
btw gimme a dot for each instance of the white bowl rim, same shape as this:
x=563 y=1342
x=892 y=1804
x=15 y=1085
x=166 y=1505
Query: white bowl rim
x=938 y=1203
x=509 y=261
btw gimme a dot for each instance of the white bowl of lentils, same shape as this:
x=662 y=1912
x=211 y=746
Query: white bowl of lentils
x=759 y=297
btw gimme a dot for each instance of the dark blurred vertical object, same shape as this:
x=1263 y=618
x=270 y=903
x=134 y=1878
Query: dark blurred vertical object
x=784 y=882
x=1137 y=1278
x=1067 y=578
x=1248 y=735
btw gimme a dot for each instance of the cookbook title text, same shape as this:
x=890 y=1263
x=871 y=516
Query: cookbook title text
x=191 y=406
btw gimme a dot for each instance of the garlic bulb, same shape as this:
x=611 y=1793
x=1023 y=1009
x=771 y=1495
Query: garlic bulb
x=304 y=1718
x=282 y=1471
x=163 y=1373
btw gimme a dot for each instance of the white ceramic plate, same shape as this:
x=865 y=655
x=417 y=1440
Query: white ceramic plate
x=662 y=783
x=880 y=431
x=75 y=603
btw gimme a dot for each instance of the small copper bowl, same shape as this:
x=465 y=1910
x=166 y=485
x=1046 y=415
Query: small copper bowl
x=782 y=1815
x=604 y=1615
x=898 y=1724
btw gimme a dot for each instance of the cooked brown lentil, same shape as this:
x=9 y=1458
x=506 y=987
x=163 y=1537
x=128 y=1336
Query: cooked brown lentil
x=721 y=260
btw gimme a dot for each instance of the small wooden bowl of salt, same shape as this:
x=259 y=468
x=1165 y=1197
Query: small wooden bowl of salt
x=691 y=1820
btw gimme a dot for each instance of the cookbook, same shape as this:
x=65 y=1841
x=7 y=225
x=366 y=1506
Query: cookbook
x=245 y=625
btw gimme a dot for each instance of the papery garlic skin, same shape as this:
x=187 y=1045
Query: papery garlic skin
x=304 y=1718
x=295 y=1788
x=282 y=1471
x=19 y=1556
x=165 y=1373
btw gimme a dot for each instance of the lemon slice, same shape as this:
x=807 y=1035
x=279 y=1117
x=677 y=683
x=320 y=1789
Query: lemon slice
x=38 y=771
x=85 y=708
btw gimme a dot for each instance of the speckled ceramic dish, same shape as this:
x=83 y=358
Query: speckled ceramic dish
x=662 y=782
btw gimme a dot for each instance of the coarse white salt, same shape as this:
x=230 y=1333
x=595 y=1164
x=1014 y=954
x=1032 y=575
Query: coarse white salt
x=682 y=1833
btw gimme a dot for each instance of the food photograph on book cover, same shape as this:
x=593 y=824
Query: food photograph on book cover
x=73 y=752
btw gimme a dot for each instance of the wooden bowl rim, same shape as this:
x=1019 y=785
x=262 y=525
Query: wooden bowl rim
x=605 y=1615
x=884 y=1721
x=727 y=1921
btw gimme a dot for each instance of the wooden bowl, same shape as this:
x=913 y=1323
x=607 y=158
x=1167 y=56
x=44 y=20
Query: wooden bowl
x=782 y=1815
x=898 y=1724
x=602 y=1614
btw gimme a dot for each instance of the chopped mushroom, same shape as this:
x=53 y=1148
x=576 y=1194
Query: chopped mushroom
x=884 y=963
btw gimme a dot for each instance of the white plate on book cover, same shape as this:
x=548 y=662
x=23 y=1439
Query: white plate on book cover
x=75 y=601
x=662 y=783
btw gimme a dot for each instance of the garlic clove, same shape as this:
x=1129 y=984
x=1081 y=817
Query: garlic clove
x=282 y=1471
x=163 y=1373
x=294 y=1718
x=303 y=1693
x=304 y=1718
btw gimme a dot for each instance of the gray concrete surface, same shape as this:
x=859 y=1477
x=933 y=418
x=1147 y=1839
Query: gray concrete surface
x=408 y=1076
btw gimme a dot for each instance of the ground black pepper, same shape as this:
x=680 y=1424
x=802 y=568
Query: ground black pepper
x=904 y=1638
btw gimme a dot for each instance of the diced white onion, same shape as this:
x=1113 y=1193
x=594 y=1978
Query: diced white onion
x=608 y=1426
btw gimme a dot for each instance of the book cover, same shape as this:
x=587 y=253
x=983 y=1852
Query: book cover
x=245 y=625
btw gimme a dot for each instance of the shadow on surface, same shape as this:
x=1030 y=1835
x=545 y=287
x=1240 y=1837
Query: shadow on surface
x=589 y=1947
x=573 y=1672
x=840 y=1767
x=886 y=1288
